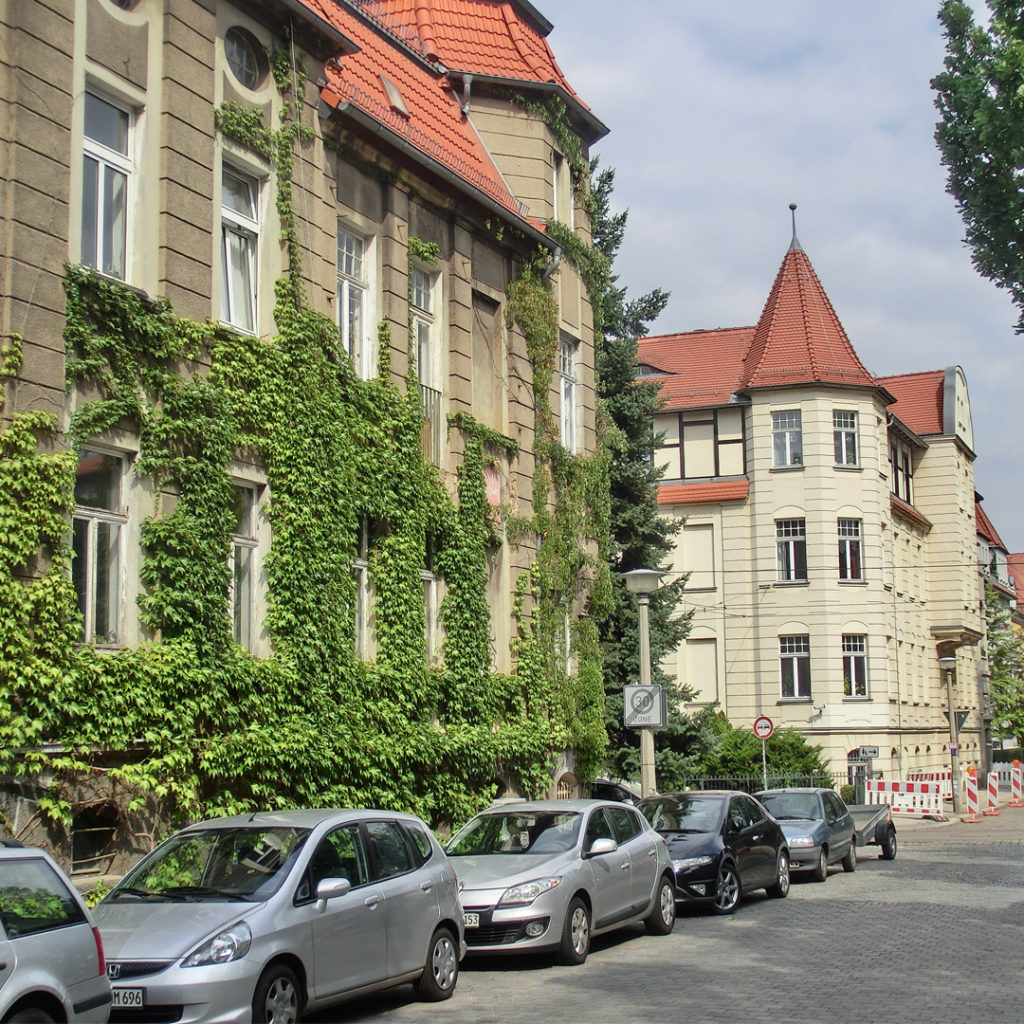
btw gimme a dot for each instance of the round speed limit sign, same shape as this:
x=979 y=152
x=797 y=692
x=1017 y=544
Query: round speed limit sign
x=763 y=727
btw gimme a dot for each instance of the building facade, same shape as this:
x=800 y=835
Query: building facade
x=828 y=533
x=195 y=189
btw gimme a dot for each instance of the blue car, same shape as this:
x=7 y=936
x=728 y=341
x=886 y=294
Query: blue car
x=819 y=827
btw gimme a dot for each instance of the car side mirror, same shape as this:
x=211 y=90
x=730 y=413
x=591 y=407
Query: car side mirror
x=330 y=889
x=602 y=846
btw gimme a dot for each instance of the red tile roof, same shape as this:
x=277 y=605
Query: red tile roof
x=918 y=400
x=908 y=511
x=985 y=527
x=693 y=494
x=799 y=339
x=701 y=367
x=435 y=126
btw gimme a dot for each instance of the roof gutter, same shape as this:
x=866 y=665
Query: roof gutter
x=325 y=111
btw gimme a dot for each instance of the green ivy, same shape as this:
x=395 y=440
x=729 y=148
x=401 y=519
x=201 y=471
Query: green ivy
x=210 y=728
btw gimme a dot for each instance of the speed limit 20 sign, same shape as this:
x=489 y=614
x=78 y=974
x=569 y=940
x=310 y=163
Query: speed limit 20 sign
x=763 y=727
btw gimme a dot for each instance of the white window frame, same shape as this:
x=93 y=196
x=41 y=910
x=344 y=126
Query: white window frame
x=787 y=438
x=355 y=296
x=851 y=549
x=431 y=606
x=844 y=437
x=795 y=667
x=92 y=520
x=855 y=665
x=425 y=295
x=238 y=311
x=243 y=569
x=901 y=466
x=109 y=162
x=363 y=600
x=791 y=550
x=568 y=362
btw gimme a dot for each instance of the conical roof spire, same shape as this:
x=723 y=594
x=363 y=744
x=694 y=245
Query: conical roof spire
x=799 y=339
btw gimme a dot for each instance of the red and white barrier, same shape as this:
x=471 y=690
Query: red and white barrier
x=1015 y=786
x=944 y=779
x=993 y=794
x=972 y=796
x=922 y=799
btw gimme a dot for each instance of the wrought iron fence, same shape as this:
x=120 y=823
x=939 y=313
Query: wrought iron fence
x=755 y=783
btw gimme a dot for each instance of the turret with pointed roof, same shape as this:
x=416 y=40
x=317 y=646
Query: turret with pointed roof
x=799 y=339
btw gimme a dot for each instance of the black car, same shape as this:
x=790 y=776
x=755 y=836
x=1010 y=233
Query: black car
x=723 y=845
x=605 y=789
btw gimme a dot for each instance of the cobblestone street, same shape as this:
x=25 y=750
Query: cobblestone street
x=933 y=936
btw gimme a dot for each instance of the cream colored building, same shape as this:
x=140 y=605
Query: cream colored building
x=828 y=532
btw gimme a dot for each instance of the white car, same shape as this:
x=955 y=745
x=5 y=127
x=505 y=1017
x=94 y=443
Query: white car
x=51 y=954
x=263 y=917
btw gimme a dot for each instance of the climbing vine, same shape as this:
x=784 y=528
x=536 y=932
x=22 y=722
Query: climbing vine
x=212 y=728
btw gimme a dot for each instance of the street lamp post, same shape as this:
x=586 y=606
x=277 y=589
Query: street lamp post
x=642 y=582
x=947 y=665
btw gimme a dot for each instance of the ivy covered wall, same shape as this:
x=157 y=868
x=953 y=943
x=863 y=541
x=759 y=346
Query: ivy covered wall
x=196 y=725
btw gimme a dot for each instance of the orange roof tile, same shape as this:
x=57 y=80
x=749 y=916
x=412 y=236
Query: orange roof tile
x=799 y=339
x=496 y=38
x=435 y=126
x=701 y=367
x=918 y=400
x=692 y=494
x=908 y=511
x=985 y=527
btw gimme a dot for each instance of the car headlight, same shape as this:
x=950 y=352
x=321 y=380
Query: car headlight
x=801 y=841
x=521 y=895
x=231 y=944
x=691 y=862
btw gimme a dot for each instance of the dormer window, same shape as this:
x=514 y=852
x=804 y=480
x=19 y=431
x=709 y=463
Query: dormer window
x=394 y=97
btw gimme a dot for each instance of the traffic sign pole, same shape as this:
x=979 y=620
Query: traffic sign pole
x=763 y=728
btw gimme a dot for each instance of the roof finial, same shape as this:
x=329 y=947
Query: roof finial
x=795 y=244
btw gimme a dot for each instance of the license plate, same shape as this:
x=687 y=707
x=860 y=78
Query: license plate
x=129 y=997
x=471 y=920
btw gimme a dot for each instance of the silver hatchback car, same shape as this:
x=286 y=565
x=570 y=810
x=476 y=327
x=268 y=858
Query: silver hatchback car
x=51 y=955
x=263 y=917
x=539 y=876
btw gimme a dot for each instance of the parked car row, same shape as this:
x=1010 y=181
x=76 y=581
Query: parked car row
x=266 y=916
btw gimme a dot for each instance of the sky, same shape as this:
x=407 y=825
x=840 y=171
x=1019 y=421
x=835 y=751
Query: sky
x=723 y=112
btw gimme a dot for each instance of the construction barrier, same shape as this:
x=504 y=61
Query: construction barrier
x=944 y=779
x=922 y=799
x=993 y=793
x=1015 y=786
x=972 y=796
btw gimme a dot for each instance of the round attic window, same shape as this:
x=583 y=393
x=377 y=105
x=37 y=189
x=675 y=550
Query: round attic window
x=245 y=56
x=125 y=5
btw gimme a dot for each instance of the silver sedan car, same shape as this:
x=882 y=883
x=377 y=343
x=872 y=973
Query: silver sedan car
x=538 y=876
x=262 y=917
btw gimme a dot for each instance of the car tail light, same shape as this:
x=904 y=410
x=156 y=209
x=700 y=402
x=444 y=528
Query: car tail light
x=99 y=951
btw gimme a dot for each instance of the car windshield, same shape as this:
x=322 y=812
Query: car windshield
x=792 y=806
x=214 y=865
x=537 y=832
x=683 y=812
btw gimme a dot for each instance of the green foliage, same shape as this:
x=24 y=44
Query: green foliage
x=737 y=752
x=1004 y=651
x=980 y=98
x=246 y=125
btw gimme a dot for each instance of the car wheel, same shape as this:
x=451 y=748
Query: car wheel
x=727 y=890
x=441 y=971
x=850 y=860
x=821 y=869
x=889 y=846
x=662 y=917
x=276 y=999
x=575 y=944
x=30 y=1015
x=780 y=890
